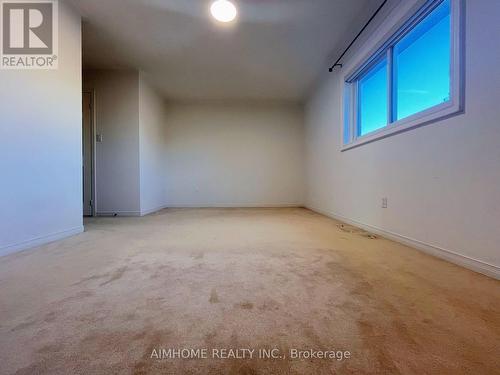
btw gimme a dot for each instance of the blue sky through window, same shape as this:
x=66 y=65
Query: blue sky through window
x=373 y=99
x=422 y=63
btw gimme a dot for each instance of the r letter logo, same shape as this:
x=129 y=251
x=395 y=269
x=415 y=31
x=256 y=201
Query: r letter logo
x=29 y=38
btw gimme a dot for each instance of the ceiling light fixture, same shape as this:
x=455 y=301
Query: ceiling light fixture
x=223 y=11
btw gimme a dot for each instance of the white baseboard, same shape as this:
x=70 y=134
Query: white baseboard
x=118 y=213
x=152 y=210
x=448 y=255
x=39 y=241
x=236 y=205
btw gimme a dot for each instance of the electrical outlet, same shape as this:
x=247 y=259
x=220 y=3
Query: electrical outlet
x=384 y=202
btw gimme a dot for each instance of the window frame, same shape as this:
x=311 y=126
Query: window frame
x=351 y=108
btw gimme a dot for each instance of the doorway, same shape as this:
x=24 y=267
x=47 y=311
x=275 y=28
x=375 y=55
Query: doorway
x=88 y=154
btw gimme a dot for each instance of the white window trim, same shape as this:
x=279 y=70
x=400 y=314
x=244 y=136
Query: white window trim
x=441 y=111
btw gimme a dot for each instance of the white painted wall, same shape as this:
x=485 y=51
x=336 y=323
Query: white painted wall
x=442 y=180
x=117 y=156
x=234 y=155
x=41 y=146
x=152 y=148
x=155 y=155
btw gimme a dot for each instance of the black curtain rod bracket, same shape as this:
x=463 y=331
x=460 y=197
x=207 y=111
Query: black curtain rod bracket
x=337 y=63
x=333 y=67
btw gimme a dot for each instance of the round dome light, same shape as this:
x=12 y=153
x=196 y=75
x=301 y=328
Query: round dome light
x=223 y=10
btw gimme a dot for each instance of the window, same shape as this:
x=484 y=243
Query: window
x=373 y=99
x=422 y=83
x=413 y=79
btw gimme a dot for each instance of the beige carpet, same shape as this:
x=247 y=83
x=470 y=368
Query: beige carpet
x=100 y=302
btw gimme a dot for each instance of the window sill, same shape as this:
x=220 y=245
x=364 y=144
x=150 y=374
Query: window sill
x=436 y=113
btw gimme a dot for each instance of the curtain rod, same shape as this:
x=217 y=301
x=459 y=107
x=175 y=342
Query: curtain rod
x=357 y=36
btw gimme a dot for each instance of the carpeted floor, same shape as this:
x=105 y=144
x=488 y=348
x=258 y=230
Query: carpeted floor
x=100 y=302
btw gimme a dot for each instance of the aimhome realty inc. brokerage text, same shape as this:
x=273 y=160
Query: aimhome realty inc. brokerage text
x=248 y=354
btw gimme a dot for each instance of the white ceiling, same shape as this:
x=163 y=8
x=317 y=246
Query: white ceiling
x=275 y=50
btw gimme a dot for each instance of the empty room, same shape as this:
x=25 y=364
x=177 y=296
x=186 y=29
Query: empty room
x=249 y=187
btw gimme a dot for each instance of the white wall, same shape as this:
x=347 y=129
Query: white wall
x=442 y=180
x=152 y=148
x=234 y=155
x=155 y=155
x=117 y=156
x=41 y=146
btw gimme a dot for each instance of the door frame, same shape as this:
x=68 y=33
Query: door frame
x=93 y=184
